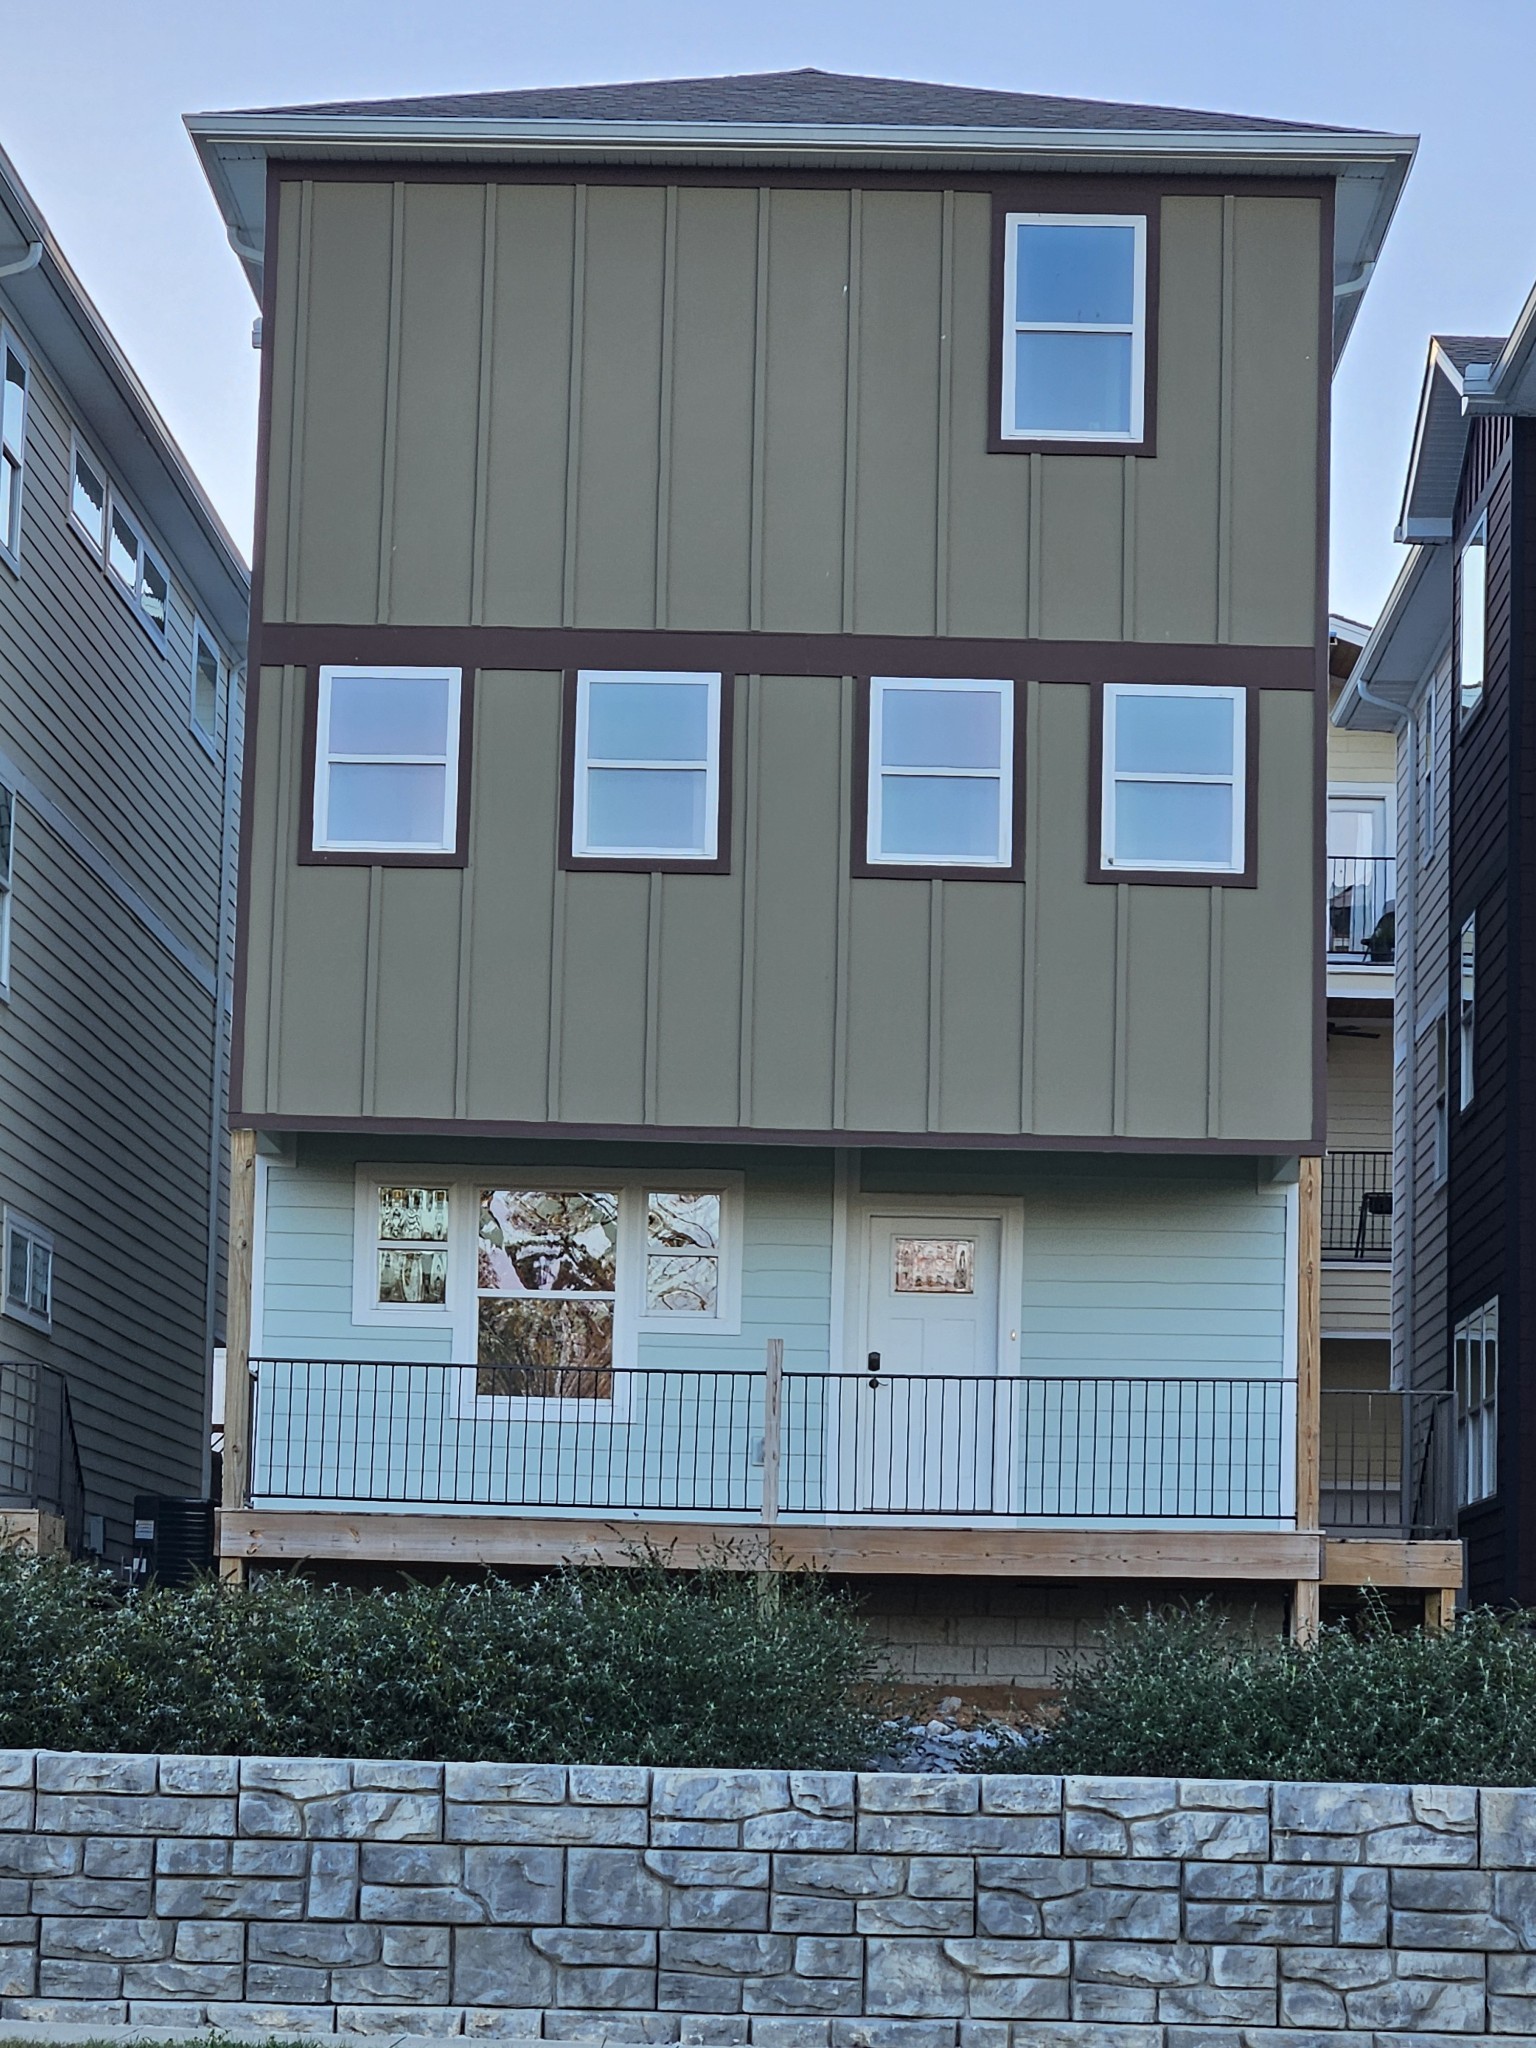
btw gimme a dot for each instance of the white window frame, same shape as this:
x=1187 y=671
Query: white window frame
x=448 y=760
x=38 y=1238
x=1466 y=1010
x=367 y=1310
x=208 y=734
x=7 y=890
x=1002 y=855
x=134 y=595
x=1440 y=1158
x=1013 y=327
x=1468 y=695
x=1112 y=777
x=81 y=451
x=10 y=552
x=1477 y=1422
x=582 y=763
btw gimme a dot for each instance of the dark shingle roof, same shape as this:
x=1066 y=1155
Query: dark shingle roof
x=1471 y=348
x=801 y=98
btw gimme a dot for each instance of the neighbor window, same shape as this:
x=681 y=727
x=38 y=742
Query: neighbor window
x=1429 y=741
x=1467 y=1037
x=88 y=500
x=207 y=675
x=646 y=775
x=547 y=1288
x=1472 y=619
x=143 y=580
x=1074 y=327
x=1173 y=795
x=940 y=772
x=13 y=444
x=386 y=761
x=1475 y=1369
x=28 y=1272
x=1442 y=1103
x=7 y=865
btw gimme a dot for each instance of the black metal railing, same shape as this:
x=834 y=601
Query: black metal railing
x=1388 y=1462
x=755 y=1445
x=39 y=1455
x=1361 y=907
x=1357 y=1205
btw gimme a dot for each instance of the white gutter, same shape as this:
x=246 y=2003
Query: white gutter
x=30 y=261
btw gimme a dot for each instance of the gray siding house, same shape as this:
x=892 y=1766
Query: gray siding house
x=122 y=635
x=782 y=939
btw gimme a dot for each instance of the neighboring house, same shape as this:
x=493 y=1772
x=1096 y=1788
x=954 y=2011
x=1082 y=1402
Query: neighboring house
x=1448 y=667
x=122 y=629
x=792 y=646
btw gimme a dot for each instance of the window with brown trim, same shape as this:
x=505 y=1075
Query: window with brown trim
x=387 y=767
x=1172 y=774
x=645 y=771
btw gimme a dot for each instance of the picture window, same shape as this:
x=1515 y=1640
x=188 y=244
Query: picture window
x=547 y=1289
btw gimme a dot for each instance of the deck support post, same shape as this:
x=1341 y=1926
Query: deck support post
x=1306 y=1599
x=1440 y=1610
x=237 y=1334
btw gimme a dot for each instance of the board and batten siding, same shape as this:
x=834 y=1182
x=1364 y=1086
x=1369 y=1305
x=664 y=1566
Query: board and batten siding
x=709 y=407
x=785 y=995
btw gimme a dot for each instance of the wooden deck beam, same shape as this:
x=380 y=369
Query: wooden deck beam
x=329 y=1536
x=1392 y=1565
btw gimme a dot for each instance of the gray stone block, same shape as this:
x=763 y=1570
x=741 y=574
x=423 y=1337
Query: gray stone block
x=270 y=1859
x=375 y=1817
x=440 y=1904
x=893 y=2033
x=506 y=1784
x=38 y=1856
x=248 y=2016
x=78 y=1979
x=1260 y=1920
x=397 y=1774
x=709 y=1867
x=737 y=1955
x=183 y=1980
x=570 y=2024
x=609 y=1785
x=1136 y=1873
x=906 y=1915
x=88 y=1771
x=718 y=1907
x=613 y=1888
x=1421 y=2005
x=112 y=1813
x=771 y=2032
x=1211 y=2004
x=500 y=1966
x=911 y=1978
x=333 y=1885
x=376 y=1983
x=93 y=1895
x=941 y=1877
x=191 y=1858
x=827 y=1795
x=696 y=1834
x=209 y=1941
x=1007 y=1913
x=501 y=2021
x=1194 y=1834
x=1245 y=1968
x=229 y=1898
x=1110 y=1913
x=682 y=1991
x=1035 y=1877
x=610 y=1990
x=286 y=1984
x=597 y=1947
x=17 y=1811
x=15 y=1895
x=18 y=1972
x=1509 y=1829
x=717 y=2032
x=794 y=1913
x=155 y=2015
x=849 y=1877
x=828 y=1956
x=1155 y=1966
x=413 y=1863
x=321 y=1947
x=519 y=1887
x=893 y=1792
x=1480 y=1931
x=939 y=1834
x=396 y=2019
x=121 y=1941
x=18 y=1768
x=1116 y=2003
x=1515 y=1973
x=792 y=1994
x=1021 y=1795
x=415 y=1948
x=202 y=1774
x=111 y=1856
x=1231 y=1795
x=1126 y=1798
x=295 y=1777
x=1094 y=1834
x=983 y=2034
x=68 y=2012
x=718 y=1795
x=795 y=1830
x=545 y=1826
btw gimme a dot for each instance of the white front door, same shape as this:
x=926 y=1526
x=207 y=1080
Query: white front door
x=929 y=1434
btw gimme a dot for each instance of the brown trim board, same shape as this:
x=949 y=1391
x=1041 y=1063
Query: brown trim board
x=309 y=855
x=1089 y=196
x=607 y=864
x=1323 y=466
x=389 y=1127
x=915 y=871
x=1175 y=878
x=292 y=644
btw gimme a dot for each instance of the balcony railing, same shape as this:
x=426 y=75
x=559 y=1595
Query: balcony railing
x=1357 y=1205
x=1388 y=1462
x=39 y=1457
x=1361 y=898
x=759 y=1445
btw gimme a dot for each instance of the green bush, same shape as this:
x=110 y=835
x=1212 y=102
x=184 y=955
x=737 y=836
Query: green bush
x=642 y=1665
x=1187 y=1694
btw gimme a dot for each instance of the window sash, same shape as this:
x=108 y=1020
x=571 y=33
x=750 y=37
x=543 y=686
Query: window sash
x=1114 y=777
x=585 y=764
x=13 y=439
x=1135 y=328
x=28 y=1281
x=327 y=758
x=1475 y=1375
x=879 y=771
x=1472 y=618
x=1467 y=1002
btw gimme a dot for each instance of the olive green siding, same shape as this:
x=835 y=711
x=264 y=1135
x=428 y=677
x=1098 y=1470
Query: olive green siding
x=785 y=995
x=729 y=408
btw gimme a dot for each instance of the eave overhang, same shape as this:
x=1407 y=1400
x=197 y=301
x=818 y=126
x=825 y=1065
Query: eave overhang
x=1405 y=647
x=1369 y=170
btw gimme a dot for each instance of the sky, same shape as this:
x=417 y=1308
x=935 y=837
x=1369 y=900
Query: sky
x=92 y=94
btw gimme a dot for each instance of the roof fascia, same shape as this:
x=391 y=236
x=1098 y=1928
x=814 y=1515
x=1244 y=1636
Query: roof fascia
x=1501 y=390
x=1368 y=702
x=1411 y=526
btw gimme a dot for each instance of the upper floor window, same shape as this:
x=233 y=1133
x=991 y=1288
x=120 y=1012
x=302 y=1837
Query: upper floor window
x=13 y=444
x=1472 y=619
x=387 y=761
x=1467 y=976
x=1074 y=327
x=1429 y=770
x=117 y=540
x=28 y=1272
x=207 y=683
x=1174 y=798
x=7 y=869
x=940 y=773
x=1440 y=1158
x=646 y=773
x=1475 y=1373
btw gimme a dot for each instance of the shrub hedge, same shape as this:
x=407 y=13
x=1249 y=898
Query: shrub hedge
x=1185 y=1693
x=642 y=1665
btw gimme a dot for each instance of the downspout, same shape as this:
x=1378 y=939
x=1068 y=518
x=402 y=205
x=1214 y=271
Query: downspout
x=30 y=261
x=1402 y=1369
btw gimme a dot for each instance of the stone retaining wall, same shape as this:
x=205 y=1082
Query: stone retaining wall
x=779 y=1910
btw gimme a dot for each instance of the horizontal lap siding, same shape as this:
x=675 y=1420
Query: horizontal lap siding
x=740 y=408
x=787 y=994
x=1357 y=1299
x=1360 y=1087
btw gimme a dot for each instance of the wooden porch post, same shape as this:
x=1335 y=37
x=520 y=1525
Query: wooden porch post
x=237 y=1332
x=1306 y=1603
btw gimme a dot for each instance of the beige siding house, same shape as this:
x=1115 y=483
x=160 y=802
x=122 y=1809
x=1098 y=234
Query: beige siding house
x=781 y=989
x=122 y=633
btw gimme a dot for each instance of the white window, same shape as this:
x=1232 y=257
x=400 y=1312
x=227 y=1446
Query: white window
x=1475 y=1368
x=1467 y=1038
x=387 y=760
x=940 y=772
x=1174 y=796
x=646 y=774
x=1429 y=765
x=13 y=443
x=28 y=1272
x=547 y=1291
x=1441 y=1160
x=143 y=581
x=7 y=875
x=207 y=683
x=1074 y=327
x=1472 y=619
x=689 y=1251
x=88 y=499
